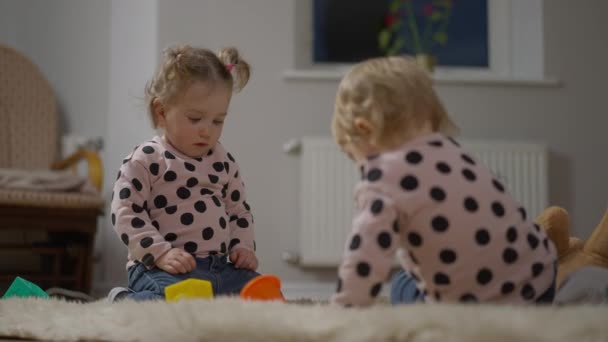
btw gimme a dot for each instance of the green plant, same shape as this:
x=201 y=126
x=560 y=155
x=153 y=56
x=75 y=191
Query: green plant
x=403 y=32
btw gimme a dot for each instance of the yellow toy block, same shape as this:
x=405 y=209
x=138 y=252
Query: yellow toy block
x=189 y=288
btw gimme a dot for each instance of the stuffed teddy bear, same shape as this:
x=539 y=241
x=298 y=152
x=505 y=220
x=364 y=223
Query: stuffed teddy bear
x=573 y=253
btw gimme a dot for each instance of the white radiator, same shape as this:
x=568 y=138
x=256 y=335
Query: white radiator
x=328 y=177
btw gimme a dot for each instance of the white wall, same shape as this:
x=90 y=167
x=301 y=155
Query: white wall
x=133 y=58
x=118 y=43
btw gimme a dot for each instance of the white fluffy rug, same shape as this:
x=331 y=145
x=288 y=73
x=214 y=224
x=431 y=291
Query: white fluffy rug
x=230 y=319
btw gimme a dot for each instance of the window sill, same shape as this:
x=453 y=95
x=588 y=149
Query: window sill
x=442 y=77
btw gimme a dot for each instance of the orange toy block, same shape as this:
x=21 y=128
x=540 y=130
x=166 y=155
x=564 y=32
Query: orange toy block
x=264 y=287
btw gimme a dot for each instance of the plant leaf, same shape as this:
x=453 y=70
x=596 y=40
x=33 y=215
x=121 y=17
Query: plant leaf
x=395 y=6
x=440 y=37
x=384 y=38
x=436 y=16
x=397 y=46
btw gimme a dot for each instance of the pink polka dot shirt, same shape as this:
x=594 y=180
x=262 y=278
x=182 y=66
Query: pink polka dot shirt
x=163 y=199
x=462 y=236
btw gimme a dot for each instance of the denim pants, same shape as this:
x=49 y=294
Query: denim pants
x=404 y=291
x=145 y=284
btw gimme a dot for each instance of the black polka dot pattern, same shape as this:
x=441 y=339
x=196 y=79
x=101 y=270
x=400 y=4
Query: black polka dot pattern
x=170 y=237
x=377 y=206
x=409 y=183
x=413 y=157
x=374 y=175
x=484 y=276
x=528 y=292
x=440 y=224
x=124 y=193
x=468 y=159
x=498 y=209
x=375 y=290
x=160 y=201
x=441 y=278
x=186 y=219
x=214 y=179
x=447 y=256
x=190 y=246
x=190 y=167
x=146 y=242
x=200 y=206
x=509 y=255
x=443 y=168
x=507 y=288
x=468 y=298
x=470 y=204
x=384 y=240
x=154 y=168
x=537 y=269
x=148 y=260
x=183 y=193
x=242 y=223
x=125 y=239
x=363 y=269
x=136 y=222
x=137 y=209
x=532 y=241
x=498 y=185
x=235 y=196
x=355 y=242
x=233 y=243
x=414 y=239
x=511 y=234
x=170 y=176
x=482 y=237
x=437 y=194
x=218 y=166
x=192 y=182
x=137 y=184
x=208 y=233
x=469 y=175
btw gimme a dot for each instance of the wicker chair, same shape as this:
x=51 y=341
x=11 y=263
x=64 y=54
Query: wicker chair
x=65 y=222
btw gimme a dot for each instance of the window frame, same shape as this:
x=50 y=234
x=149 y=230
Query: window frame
x=516 y=48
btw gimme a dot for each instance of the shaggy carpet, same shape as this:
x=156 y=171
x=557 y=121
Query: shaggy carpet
x=231 y=319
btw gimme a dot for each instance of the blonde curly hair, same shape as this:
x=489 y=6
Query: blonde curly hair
x=184 y=64
x=395 y=95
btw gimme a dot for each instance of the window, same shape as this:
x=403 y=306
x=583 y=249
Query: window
x=514 y=46
x=349 y=30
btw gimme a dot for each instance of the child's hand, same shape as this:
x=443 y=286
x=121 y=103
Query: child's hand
x=244 y=258
x=175 y=261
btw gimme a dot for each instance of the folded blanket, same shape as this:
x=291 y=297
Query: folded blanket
x=44 y=180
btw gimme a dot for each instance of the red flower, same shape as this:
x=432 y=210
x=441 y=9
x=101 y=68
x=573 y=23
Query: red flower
x=389 y=20
x=428 y=10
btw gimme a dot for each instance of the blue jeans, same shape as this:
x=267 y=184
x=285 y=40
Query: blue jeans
x=404 y=291
x=145 y=284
